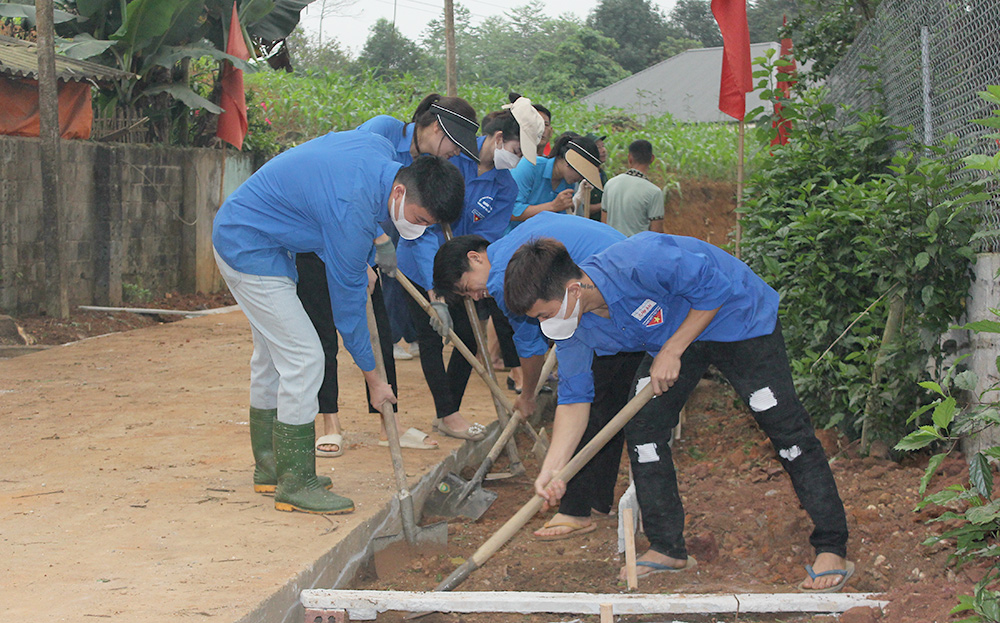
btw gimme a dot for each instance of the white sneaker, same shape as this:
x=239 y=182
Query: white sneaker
x=399 y=353
x=415 y=349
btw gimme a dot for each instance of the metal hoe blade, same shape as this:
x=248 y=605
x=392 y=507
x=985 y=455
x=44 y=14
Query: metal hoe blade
x=453 y=497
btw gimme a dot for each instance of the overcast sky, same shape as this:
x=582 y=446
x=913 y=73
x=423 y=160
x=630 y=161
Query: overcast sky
x=351 y=27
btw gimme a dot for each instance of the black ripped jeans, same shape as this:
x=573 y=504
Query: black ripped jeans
x=593 y=487
x=758 y=370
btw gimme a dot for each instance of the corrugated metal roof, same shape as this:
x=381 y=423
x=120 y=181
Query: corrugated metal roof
x=685 y=85
x=19 y=59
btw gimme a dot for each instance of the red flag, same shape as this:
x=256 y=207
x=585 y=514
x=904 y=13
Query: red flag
x=737 y=76
x=785 y=86
x=233 y=120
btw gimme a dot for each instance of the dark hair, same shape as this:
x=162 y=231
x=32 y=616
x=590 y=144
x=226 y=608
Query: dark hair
x=452 y=261
x=561 y=145
x=542 y=109
x=538 y=271
x=423 y=116
x=641 y=151
x=435 y=184
x=502 y=121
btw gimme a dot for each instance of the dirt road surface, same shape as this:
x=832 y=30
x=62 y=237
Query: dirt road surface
x=126 y=489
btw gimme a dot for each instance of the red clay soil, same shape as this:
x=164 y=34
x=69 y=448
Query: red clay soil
x=702 y=209
x=744 y=526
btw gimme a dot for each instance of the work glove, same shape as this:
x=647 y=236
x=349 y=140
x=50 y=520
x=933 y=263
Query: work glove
x=442 y=323
x=385 y=257
x=579 y=197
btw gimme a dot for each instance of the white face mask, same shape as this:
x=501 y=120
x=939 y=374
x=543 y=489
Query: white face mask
x=559 y=328
x=503 y=159
x=406 y=229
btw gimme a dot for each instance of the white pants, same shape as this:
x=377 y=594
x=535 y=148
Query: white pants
x=287 y=366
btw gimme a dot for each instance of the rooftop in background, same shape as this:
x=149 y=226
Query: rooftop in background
x=686 y=86
x=19 y=59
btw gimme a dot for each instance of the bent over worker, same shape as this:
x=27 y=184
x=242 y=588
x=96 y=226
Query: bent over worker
x=468 y=265
x=687 y=304
x=325 y=196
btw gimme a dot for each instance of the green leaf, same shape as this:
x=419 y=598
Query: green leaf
x=279 y=22
x=964 y=604
x=922 y=260
x=920 y=411
x=982 y=326
x=27 y=13
x=916 y=440
x=981 y=476
x=933 y=220
x=966 y=380
x=984 y=234
x=927 y=295
x=980 y=515
x=944 y=413
x=90 y=8
x=184 y=94
x=168 y=55
x=82 y=46
x=149 y=24
x=932 y=467
x=987 y=603
x=992 y=452
x=931 y=385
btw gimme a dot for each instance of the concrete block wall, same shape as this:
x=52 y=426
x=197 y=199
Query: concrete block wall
x=139 y=215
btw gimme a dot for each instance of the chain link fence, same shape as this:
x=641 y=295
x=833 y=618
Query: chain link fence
x=925 y=61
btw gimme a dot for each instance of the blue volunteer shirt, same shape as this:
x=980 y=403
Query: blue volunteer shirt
x=489 y=201
x=534 y=183
x=582 y=238
x=399 y=133
x=650 y=282
x=325 y=196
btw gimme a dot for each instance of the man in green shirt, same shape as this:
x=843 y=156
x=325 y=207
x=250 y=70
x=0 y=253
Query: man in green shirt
x=632 y=203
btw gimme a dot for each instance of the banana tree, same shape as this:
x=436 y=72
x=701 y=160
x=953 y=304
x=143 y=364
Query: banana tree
x=156 y=39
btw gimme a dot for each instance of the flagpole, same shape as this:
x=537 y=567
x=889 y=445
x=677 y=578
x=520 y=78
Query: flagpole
x=739 y=188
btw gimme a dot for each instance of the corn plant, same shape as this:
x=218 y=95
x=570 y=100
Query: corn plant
x=302 y=107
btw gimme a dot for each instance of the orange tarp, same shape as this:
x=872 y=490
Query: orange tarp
x=19 y=108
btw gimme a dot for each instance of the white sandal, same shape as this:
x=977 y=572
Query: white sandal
x=413 y=439
x=334 y=439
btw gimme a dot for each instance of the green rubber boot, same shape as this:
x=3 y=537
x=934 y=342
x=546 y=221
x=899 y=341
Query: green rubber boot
x=298 y=487
x=265 y=477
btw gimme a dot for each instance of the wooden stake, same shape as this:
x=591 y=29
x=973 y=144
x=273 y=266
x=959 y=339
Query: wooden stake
x=450 y=64
x=56 y=299
x=739 y=188
x=607 y=613
x=631 y=574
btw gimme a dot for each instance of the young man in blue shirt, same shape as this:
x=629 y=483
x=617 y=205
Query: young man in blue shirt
x=325 y=196
x=470 y=266
x=687 y=304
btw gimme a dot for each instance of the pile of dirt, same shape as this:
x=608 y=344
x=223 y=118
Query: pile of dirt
x=45 y=330
x=701 y=209
x=743 y=524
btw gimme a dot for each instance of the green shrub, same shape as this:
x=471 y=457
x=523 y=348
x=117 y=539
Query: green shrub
x=972 y=509
x=841 y=230
x=975 y=508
